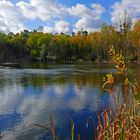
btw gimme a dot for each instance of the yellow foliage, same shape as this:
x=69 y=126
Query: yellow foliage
x=118 y=60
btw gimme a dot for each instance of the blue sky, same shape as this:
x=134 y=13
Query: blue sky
x=64 y=15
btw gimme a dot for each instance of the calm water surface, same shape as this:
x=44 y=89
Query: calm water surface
x=29 y=96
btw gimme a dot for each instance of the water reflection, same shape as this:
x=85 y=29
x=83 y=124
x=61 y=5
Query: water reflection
x=29 y=96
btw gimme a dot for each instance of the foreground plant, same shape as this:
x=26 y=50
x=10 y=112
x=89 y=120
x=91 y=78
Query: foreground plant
x=124 y=122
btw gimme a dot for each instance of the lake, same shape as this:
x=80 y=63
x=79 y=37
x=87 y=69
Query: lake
x=30 y=94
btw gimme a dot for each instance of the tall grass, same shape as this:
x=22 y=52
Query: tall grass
x=124 y=123
x=72 y=130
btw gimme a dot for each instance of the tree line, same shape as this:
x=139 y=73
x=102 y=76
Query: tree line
x=83 y=46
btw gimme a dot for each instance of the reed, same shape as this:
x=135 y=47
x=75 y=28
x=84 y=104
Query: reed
x=53 y=128
x=124 y=123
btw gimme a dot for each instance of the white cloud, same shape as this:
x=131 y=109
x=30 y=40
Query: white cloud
x=60 y=27
x=79 y=10
x=50 y=9
x=10 y=17
x=89 y=18
x=88 y=24
x=131 y=6
x=48 y=29
x=42 y=9
x=98 y=9
x=13 y=15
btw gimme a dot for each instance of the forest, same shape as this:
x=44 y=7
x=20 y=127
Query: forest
x=78 y=47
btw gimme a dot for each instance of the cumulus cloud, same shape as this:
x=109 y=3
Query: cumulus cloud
x=10 y=17
x=60 y=27
x=48 y=29
x=98 y=9
x=42 y=9
x=89 y=18
x=51 y=9
x=88 y=23
x=131 y=6
x=79 y=10
x=13 y=15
